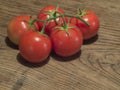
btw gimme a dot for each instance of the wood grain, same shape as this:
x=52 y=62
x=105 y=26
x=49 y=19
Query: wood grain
x=95 y=67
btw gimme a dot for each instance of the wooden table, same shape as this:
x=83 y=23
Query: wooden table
x=95 y=67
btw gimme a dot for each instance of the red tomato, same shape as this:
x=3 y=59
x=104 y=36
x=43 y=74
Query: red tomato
x=66 y=41
x=34 y=47
x=18 y=26
x=87 y=31
x=47 y=13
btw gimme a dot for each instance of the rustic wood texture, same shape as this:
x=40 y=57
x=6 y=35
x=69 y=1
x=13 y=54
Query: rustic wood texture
x=95 y=67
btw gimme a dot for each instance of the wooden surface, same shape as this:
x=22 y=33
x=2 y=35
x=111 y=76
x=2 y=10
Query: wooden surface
x=95 y=67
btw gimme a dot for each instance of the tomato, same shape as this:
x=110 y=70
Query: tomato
x=48 y=12
x=34 y=47
x=90 y=17
x=66 y=40
x=18 y=26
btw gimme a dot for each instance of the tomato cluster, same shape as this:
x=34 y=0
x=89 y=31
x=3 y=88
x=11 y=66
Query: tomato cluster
x=52 y=30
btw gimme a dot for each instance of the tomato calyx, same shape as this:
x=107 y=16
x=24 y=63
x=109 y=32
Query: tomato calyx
x=65 y=25
x=54 y=13
x=65 y=28
x=81 y=13
x=31 y=23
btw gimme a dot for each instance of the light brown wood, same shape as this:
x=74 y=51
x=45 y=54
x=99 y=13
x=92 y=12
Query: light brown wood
x=95 y=67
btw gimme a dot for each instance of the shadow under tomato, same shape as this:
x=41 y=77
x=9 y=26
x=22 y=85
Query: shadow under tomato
x=90 y=41
x=10 y=44
x=22 y=61
x=65 y=59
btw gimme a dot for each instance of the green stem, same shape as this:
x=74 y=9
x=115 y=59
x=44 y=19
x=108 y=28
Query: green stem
x=65 y=24
x=33 y=21
x=79 y=11
x=67 y=16
x=78 y=18
x=43 y=28
x=57 y=7
x=55 y=13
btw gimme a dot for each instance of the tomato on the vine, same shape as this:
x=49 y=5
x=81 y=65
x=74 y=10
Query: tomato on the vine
x=49 y=12
x=34 y=46
x=18 y=26
x=90 y=17
x=67 y=40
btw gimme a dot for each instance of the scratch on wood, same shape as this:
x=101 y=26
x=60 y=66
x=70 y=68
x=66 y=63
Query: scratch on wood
x=81 y=61
x=114 y=69
x=109 y=75
x=19 y=83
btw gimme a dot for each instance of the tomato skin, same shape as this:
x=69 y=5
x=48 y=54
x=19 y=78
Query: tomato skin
x=87 y=31
x=17 y=27
x=66 y=44
x=44 y=15
x=34 y=47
